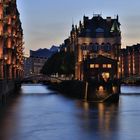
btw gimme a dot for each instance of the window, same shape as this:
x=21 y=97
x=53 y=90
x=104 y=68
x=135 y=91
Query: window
x=96 y=65
x=104 y=65
x=95 y=48
x=91 y=66
x=107 y=66
x=99 y=32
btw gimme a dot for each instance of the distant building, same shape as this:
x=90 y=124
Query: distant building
x=38 y=59
x=34 y=63
x=94 y=39
x=63 y=47
x=45 y=53
x=37 y=64
x=66 y=46
x=54 y=49
x=130 y=61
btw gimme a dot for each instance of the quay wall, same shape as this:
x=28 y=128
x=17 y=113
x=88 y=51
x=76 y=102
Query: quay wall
x=7 y=88
x=93 y=91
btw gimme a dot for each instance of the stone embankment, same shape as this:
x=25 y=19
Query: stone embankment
x=70 y=88
x=7 y=88
x=77 y=89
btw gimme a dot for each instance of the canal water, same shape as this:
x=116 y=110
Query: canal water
x=38 y=113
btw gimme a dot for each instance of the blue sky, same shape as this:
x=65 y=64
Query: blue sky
x=48 y=22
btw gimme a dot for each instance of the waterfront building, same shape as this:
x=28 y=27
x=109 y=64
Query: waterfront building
x=36 y=64
x=37 y=59
x=130 y=61
x=11 y=41
x=96 y=40
x=33 y=65
x=100 y=67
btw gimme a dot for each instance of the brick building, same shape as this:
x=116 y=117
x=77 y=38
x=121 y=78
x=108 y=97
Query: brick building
x=93 y=38
x=130 y=61
x=11 y=41
x=37 y=59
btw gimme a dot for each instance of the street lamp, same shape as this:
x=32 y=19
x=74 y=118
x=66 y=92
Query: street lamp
x=1 y=67
x=5 y=67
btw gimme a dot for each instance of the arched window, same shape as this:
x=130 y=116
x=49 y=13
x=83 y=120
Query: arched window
x=95 y=47
x=88 y=32
x=90 y=47
x=84 y=46
x=107 y=47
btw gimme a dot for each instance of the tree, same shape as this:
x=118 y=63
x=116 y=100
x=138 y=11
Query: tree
x=61 y=63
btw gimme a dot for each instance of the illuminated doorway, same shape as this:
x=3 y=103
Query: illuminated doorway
x=105 y=76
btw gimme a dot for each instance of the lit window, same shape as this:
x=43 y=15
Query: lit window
x=91 y=66
x=104 y=65
x=96 y=65
x=109 y=66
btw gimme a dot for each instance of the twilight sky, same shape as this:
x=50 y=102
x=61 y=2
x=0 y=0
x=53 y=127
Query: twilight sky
x=48 y=22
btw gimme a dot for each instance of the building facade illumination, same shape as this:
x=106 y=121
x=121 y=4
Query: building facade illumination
x=95 y=38
x=130 y=61
x=11 y=41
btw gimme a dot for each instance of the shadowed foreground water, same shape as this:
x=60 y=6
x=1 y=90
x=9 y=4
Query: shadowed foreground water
x=40 y=114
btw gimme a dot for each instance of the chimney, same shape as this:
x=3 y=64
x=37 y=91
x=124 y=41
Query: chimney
x=108 y=19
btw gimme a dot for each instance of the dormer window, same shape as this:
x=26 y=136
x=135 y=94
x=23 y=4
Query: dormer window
x=88 y=32
x=99 y=32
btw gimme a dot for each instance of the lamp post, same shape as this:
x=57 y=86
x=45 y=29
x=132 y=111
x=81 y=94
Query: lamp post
x=5 y=86
x=1 y=68
x=5 y=68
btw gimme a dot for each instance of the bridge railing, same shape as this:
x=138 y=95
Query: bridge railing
x=45 y=78
x=131 y=79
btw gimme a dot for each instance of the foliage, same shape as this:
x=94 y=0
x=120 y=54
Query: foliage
x=61 y=63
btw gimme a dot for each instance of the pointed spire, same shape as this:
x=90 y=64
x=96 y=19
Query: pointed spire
x=84 y=18
x=117 y=17
x=80 y=24
x=115 y=27
x=76 y=29
x=73 y=27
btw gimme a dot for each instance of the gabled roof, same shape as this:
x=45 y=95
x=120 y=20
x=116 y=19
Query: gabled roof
x=97 y=24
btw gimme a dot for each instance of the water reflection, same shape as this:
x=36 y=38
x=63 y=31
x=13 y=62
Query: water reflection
x=34 y=89
x=99 y=118
x=9 y=118
x=35 y=115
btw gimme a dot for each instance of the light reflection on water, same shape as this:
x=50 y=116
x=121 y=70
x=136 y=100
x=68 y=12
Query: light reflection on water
x=34 y=89
x=54 y=117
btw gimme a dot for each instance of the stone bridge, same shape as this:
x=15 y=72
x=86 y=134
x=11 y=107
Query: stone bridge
x=40 y=78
